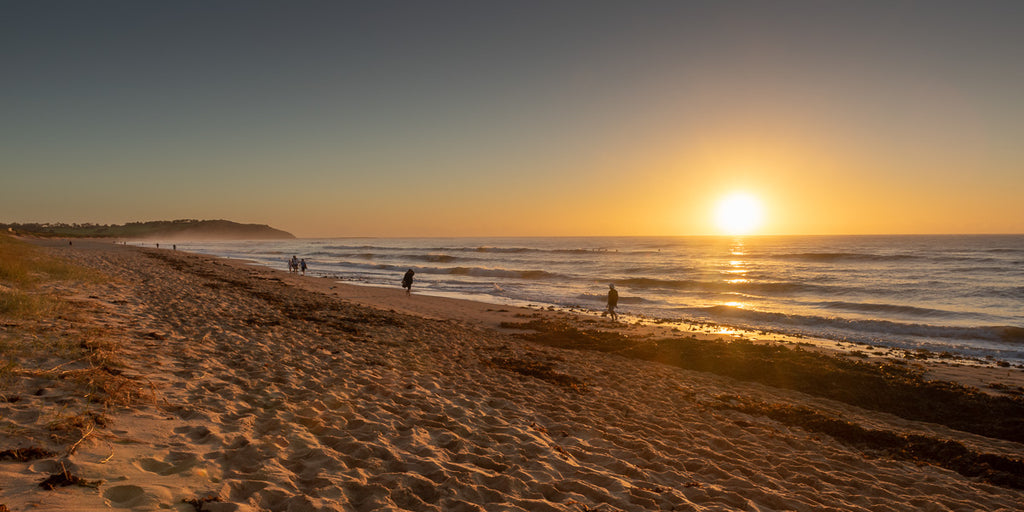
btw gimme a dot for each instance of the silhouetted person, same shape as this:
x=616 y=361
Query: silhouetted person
x=613 y=300
x=302 y=265
x=407 y=281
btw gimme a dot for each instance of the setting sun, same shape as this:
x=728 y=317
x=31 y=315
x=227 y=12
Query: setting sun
x=738 y=214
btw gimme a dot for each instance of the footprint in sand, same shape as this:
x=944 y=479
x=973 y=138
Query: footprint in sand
x=132 y=496
x=174 y=463
x=125 y=495
x=199 y=434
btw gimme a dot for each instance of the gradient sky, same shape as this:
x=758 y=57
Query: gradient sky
x=426 y=118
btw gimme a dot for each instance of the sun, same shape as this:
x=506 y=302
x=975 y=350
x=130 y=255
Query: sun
x=739 y=213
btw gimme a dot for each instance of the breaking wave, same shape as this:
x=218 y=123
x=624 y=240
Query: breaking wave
x=888 y=309
x=722 y=286
x=820 y=324
x=492 y=272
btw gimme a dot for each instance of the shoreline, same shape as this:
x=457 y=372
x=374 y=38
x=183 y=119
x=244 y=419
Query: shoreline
x=985 y=343
x=964 y=369
x=264 y=390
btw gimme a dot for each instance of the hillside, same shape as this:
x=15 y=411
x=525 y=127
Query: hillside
x=167 y=230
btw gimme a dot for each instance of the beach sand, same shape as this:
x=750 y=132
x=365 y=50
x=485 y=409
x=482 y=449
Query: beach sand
x=261 y=390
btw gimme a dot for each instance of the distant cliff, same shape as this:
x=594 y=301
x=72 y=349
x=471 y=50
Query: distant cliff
x=164 y=229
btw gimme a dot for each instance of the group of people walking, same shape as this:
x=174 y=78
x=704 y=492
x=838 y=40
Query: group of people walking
x=297 y=265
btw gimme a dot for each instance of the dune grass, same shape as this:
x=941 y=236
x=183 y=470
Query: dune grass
x=25 y=265
x=48 y=343
x=24 y=269
x=53 y=355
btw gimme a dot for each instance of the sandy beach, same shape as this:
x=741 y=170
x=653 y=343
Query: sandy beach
x=242 y=388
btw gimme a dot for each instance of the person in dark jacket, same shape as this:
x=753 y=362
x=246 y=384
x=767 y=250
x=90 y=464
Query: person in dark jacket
x=613 y=300
x=407 y=282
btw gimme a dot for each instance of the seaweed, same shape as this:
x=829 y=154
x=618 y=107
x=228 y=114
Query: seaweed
x=543 y=371
x=888 y=387
x=198 y=503
x=64 y=479
x=953 y=455
x=26 y=454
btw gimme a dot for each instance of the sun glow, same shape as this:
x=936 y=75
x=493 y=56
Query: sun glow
x=739 y=214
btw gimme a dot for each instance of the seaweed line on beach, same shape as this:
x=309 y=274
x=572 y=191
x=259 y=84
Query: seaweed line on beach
x=953 y=455
x=297 y=305
x=537 y=369
x=887 y=387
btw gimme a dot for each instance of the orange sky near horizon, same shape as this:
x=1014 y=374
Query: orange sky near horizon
x=456 y=119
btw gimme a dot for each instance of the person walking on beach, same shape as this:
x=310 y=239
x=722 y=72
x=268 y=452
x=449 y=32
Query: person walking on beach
x=293 y=264
x=302 y=265
x=613 y=300
x=407 y=282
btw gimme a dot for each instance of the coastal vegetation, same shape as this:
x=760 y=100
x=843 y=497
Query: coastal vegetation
x=41 y=352
x=24 y=269
x=172 y=229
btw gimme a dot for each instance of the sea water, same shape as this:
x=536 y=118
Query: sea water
x=962 y=294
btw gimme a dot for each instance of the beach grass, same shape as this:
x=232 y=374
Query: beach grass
x=23 y=264
x=21 y=304
x=24 y=271
x=49 y=345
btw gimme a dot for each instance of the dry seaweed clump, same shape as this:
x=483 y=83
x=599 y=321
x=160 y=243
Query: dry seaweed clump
x=888 y=387
x=199 y=503
x=537 y=369
x=107 y=386
x=992 y=468
x=26 y=454
x=64 y=479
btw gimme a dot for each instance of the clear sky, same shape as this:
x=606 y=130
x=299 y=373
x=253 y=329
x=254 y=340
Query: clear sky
x=439 y=118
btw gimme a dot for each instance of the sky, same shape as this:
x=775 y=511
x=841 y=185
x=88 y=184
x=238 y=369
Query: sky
x=515 y=118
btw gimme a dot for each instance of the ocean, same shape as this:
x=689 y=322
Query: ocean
x=958 y=294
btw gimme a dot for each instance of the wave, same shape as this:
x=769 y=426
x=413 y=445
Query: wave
x=865 y=307
x=997 y=333
x=1010 y=334
x=348 y=249
x=492 y=272
x=782 y=287
x=838 y=256
x=931 y=258
x=435 y=258
x=512 y=250
x=1011 y=293
x=453 y=271
x=603 y=298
